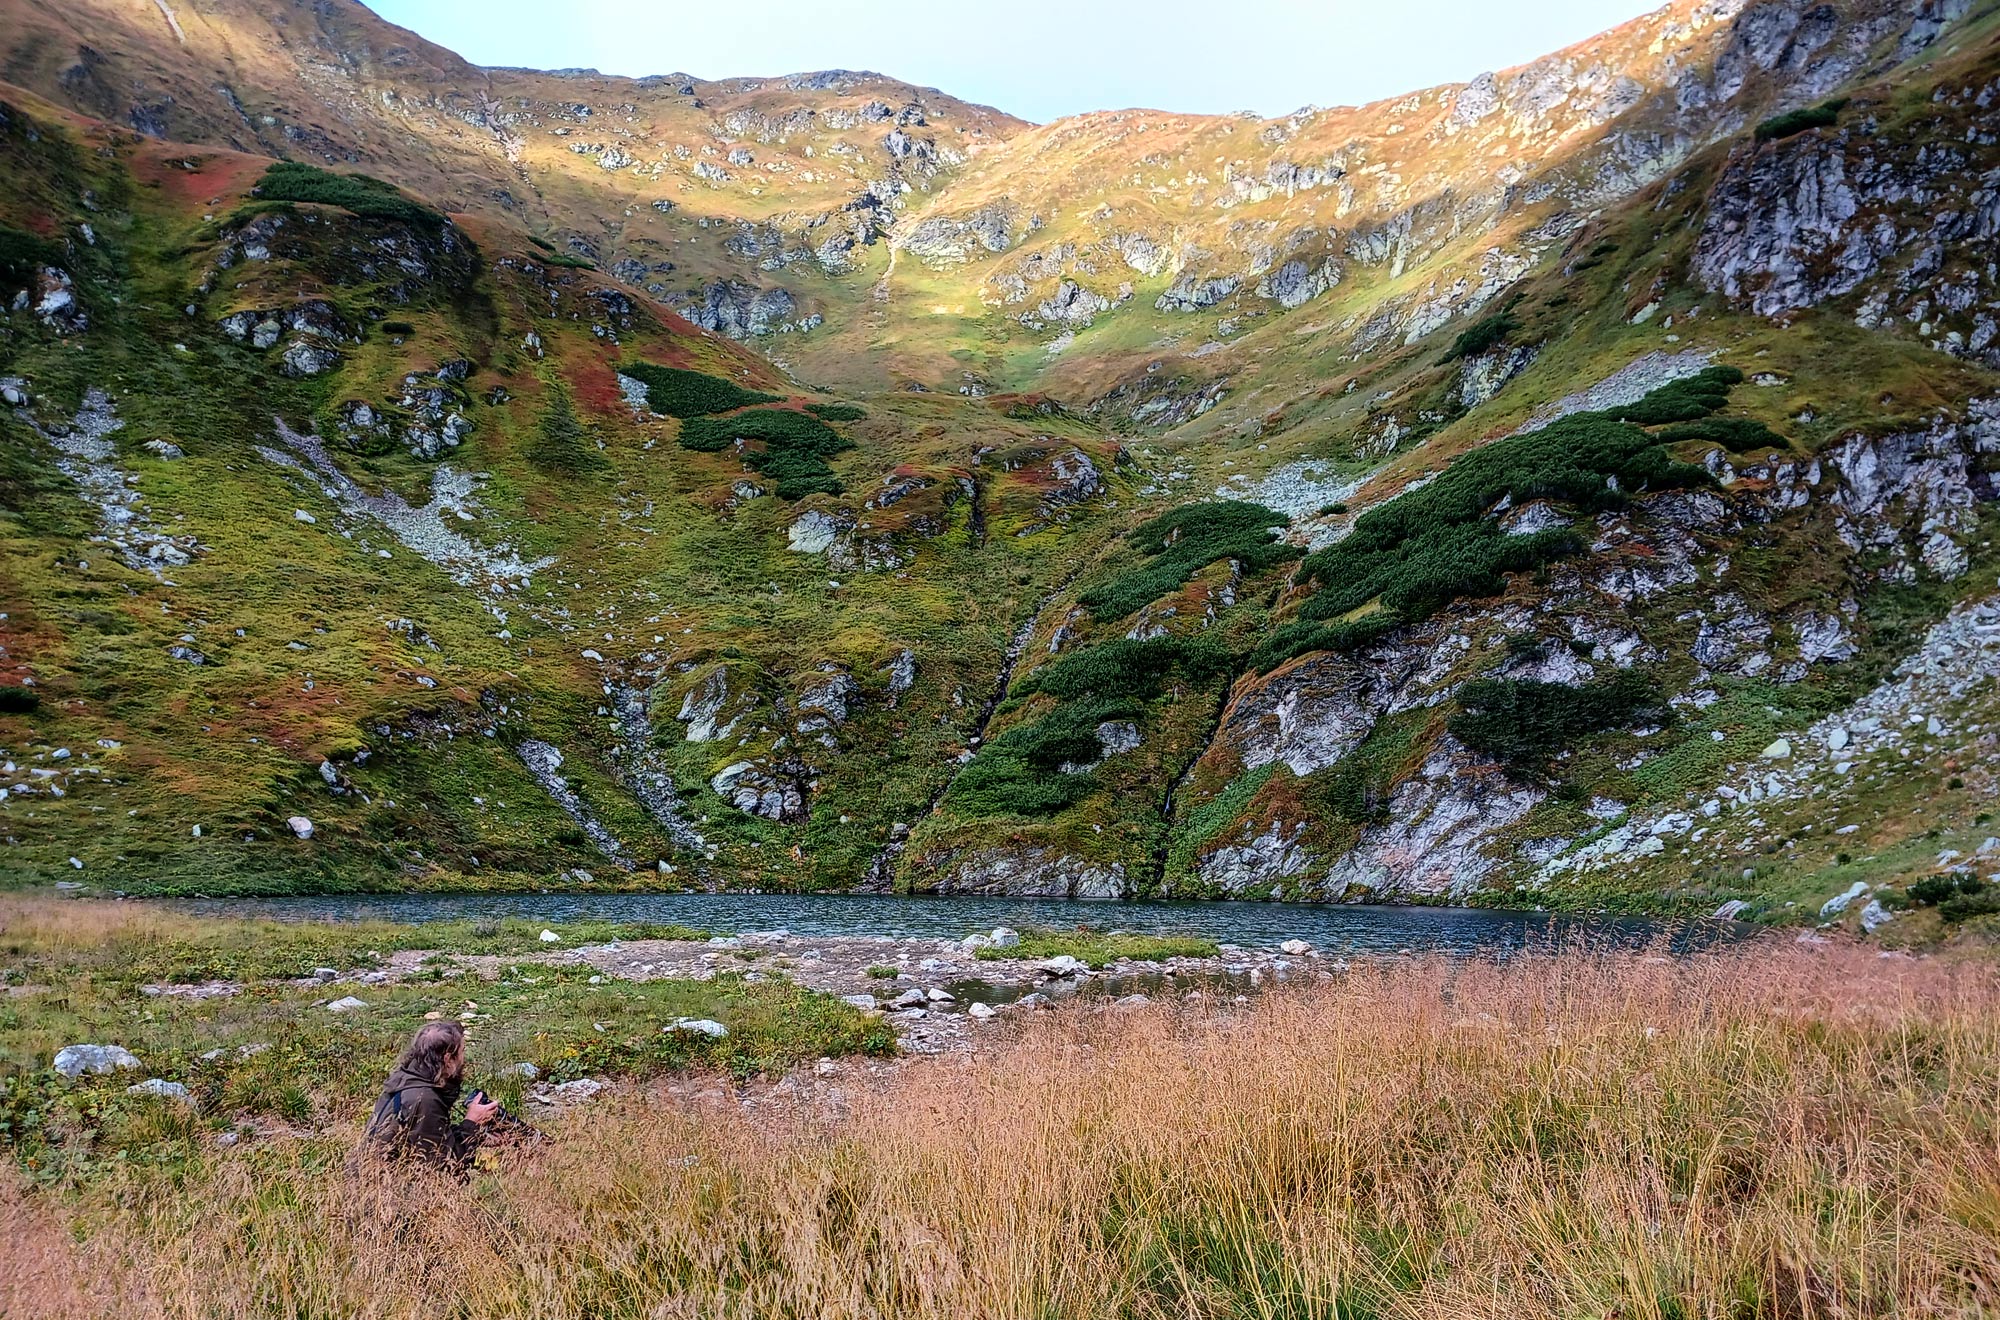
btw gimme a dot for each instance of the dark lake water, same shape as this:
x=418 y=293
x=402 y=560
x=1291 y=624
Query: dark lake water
x=1331 y=928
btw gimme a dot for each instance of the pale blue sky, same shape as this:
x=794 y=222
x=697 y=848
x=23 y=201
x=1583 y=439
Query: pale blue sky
x=1037 y=58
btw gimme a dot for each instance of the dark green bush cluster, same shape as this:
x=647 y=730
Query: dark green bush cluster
x=1983 y=902
x=796 y=447
x=1019 y=774
x=20 y=254
x=570 y=260
x=17 y=700
x=1127 y=667
x=1524 y=724
x=561 y=444
x=1481 y=335
x=1685 y=400
x=837 y=412
x=296 y=181
x=1184 y=542
x=1435 y=544
x=1304 y=636
x=673 y=392
x=398 y=328
x=1736 y=434
x=1793 y=122
x=1935 y=889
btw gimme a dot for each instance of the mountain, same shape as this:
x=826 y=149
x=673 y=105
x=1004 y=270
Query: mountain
x=1571 y=487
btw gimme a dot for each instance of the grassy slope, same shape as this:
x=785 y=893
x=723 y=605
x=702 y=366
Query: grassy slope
x=654 y=546
x=1777 y=1131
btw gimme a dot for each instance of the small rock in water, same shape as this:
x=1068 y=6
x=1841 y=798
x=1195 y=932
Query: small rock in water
x=76 y=1060
x=1063 y=965
x=910 y=999
x=983 y=1011
x=937 y=996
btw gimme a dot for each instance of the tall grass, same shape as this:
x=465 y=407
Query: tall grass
x=1782 y=1132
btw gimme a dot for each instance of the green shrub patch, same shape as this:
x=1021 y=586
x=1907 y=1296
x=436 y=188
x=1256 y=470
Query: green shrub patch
x=561 y=444
x=20 y=254
x=1481 y=335
x=1525 y=724
x=1182 y=543
x=796 y=446
x=837 y=412
x=1435 y=544
x=1794 y=122
x=296 y=181
x=1020 y=772
x=672 y=392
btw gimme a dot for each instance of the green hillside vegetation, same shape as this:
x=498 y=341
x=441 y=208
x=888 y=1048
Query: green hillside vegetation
x=1526 y=724
x=673 y=392
x=1181 y=543
x=1804 y=120
x=796 y=446
x=295 y=181
x=1436 y=544
x=561 y=443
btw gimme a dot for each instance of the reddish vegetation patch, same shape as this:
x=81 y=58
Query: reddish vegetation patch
x=593 y=383
x=213 y=174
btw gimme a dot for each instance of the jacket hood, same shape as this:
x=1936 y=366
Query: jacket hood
x=402 y=1079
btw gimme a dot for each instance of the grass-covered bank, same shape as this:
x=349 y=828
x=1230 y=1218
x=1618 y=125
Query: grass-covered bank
x=259 y=1049
x=1780 y=1131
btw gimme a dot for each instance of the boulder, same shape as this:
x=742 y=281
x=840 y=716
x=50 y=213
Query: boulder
x=708 y=1027
x=1063 y=965
x=300 y=826
x=346 y=1004
x=1838 y=903
x=160 y=1087
x=75 y=1060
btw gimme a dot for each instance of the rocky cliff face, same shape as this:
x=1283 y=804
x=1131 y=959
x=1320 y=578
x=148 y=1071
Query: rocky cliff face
x=1890 y=508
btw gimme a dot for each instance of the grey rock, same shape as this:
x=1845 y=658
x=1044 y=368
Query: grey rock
x=74 y=1061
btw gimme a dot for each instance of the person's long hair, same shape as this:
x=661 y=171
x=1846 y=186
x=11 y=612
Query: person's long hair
x=436 y=1052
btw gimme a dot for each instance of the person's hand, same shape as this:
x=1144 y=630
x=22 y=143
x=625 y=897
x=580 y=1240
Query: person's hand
x=481 y=1111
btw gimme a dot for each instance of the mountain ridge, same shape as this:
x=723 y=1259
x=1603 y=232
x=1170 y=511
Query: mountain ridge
x=1133 y=504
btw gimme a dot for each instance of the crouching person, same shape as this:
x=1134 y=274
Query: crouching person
x=412 y=1120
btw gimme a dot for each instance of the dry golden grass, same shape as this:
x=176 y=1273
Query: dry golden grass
x=1779 y=1131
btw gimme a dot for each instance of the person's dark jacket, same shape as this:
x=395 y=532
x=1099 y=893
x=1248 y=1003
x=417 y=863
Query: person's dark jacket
x=413 y=1120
